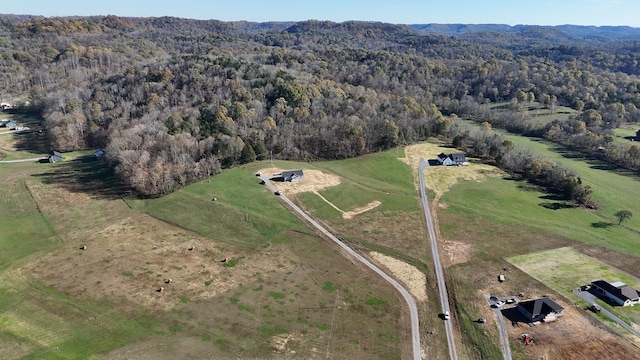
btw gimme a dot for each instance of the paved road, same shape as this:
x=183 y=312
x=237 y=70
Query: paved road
x=14 y=131
x=23 y=160
x=590 y=299
x=413 y=309
x=442 y=288
x=502 y=331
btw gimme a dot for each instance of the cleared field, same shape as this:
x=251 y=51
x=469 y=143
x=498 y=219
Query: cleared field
x=540 y=114
x=564 y=269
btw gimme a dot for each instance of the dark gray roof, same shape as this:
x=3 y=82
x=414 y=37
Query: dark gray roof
x=543 y=305
x=291 y=174
x=623 y=293
x=458 y=157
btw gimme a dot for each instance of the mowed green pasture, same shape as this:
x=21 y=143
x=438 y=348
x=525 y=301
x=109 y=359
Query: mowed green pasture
x=37 y=322
x=24 y=230
x=613 y=188
x=564 y=269
x=626 y=132
x=243 y=213
x=394 y=227
x=494 y=206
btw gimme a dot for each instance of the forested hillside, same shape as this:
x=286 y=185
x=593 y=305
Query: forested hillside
x=176 y=100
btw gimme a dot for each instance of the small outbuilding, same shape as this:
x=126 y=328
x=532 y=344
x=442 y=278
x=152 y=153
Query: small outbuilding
x=98 y=154
x=10 y=124
x=54 y=157
x=541 y=309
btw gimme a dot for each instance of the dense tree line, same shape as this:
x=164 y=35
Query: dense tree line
x=175 y=100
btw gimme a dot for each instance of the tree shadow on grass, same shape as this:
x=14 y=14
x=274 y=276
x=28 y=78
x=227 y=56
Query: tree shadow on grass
x=31 y=141
x=553 y=197
x=602 y=224
x=557 y=205
x=84 y=174
x=525 y=186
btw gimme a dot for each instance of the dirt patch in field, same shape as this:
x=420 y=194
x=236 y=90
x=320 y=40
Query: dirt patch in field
x=414 y=279
x=360 y=210
x=457 y=252
x=129 y=261
x=314 y=180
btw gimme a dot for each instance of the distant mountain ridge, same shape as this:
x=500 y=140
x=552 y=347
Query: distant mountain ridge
x=581 y=31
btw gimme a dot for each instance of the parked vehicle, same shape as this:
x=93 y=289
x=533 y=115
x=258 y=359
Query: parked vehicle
x=447 y=316
x=595 y=308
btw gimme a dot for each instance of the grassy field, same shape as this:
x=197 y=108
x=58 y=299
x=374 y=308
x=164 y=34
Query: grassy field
x=564 y=269
x=284 y=291
x=626 y=132
x=541 y=115
x=611 y=186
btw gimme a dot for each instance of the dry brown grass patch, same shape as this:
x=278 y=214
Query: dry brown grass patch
x=457 y=252
x=414 y=279
x=128 y=261
x=440 y=179
x=52 y=197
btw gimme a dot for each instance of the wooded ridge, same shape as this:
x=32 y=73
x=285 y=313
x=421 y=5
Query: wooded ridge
x=175 y=100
